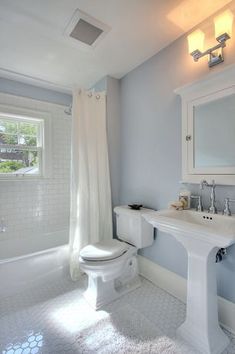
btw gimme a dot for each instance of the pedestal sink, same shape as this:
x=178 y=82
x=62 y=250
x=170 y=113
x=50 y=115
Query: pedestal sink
x=202 y=235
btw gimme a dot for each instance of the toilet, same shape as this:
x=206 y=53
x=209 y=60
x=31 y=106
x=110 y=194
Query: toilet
x=111 y=265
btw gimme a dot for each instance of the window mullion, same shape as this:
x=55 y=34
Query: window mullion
x=19 y=147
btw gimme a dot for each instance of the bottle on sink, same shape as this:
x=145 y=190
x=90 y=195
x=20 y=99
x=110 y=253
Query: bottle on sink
x=185 y=196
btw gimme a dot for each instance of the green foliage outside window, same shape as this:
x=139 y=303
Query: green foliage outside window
x=10 y=166
x=19 y=134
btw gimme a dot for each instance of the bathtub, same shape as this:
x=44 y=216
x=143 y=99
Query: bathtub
x=20 y=273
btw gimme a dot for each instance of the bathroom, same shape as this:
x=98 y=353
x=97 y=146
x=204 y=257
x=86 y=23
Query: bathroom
x=141 y=72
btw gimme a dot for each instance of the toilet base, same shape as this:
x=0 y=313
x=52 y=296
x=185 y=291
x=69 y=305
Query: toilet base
x=100 y=293
x=109 y=280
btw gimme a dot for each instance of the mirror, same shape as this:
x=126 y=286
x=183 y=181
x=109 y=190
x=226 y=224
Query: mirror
x=208 y=128
x=214 y=133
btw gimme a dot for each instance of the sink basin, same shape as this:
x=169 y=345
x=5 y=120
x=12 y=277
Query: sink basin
x=202 y=235
x=219 y=230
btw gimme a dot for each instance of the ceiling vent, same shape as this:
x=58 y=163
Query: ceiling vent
x=85 y=30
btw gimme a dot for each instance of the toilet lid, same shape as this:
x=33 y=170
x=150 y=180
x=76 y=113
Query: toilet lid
x=104 y=250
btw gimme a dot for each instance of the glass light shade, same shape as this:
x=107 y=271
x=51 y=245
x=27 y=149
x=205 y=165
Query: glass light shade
x=196 y=41
x=224 y=23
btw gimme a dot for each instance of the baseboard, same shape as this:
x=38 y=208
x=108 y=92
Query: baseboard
x=177 y=286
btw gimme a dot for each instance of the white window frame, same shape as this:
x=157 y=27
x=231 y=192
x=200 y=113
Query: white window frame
x=44 y=148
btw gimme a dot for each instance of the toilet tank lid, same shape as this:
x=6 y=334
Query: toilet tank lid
x=126 y=210
x=104 y=250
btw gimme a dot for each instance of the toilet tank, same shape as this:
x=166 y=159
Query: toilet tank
x=132 y=227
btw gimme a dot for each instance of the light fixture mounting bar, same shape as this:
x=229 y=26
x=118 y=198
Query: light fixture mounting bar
x=215 y=53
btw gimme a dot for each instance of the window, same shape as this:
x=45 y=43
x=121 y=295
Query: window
x=21 y=145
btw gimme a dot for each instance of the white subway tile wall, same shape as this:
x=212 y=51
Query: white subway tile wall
x=36 y=212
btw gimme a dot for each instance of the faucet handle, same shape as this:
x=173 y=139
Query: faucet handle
x=203 y=183
x=227 y=210
x=199 y=206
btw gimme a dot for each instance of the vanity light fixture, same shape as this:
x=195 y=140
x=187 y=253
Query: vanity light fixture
x=223 y=30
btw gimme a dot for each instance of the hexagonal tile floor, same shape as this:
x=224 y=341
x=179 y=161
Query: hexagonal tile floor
x=55 y=319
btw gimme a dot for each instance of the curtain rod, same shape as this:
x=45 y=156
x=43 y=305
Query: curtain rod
x=31 y=80
x=68 y=110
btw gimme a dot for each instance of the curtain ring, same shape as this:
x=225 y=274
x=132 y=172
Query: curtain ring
x=97 y=97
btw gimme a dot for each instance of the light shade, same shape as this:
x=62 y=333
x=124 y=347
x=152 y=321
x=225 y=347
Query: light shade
x=224 y=23
x=196 y=41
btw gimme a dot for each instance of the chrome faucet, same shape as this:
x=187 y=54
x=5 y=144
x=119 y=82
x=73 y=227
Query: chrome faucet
x=212 y=209
x=227 y=210
x=199 y=207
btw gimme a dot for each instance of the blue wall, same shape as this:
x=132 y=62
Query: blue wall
x=151 y=150
x=20 y=89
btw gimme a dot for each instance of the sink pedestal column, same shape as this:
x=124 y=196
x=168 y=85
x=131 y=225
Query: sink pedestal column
x=201 y=327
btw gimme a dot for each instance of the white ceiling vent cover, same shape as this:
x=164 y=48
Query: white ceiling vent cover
x=85 y=31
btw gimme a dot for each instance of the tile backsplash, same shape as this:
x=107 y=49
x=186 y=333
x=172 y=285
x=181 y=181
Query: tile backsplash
x=36 y=211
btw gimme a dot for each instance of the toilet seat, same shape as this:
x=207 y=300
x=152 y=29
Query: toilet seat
x=110 y=268
x=104 y=250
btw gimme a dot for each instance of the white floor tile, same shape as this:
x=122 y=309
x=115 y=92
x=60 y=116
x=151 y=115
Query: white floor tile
x=55 y=319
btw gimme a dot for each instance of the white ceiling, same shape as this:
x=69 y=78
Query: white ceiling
x=33 y=45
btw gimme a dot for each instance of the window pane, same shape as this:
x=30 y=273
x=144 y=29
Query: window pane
x=28 y=129
x=17 y=161
x=18 y=132
x=27 y=140
x=8 y=139
x=7 y=126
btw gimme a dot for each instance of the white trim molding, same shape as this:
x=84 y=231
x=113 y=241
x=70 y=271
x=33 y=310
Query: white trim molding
x=177 y=286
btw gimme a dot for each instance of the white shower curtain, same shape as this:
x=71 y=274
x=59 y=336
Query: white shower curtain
x=91 y=211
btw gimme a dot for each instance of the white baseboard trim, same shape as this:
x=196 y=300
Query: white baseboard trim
x=177 y=286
